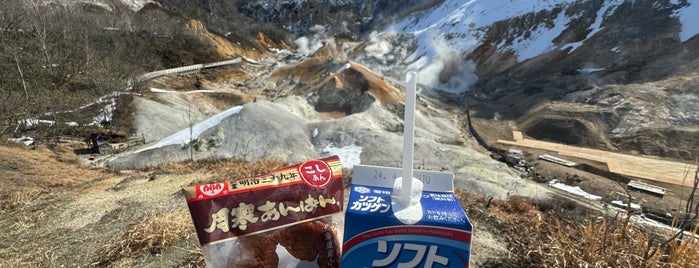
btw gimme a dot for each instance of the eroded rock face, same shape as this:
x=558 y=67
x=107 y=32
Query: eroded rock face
x=564 y=130
x=334 y=97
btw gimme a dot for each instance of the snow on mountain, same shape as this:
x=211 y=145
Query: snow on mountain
x=470 y=20
x=458 y=27
x=607 y=8
x=136 y=5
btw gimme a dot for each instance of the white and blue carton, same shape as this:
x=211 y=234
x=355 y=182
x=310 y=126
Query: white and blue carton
x=439 y=235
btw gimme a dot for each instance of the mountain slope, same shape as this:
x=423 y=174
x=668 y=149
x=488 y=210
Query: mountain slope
x=618 y=75
x=516 y=58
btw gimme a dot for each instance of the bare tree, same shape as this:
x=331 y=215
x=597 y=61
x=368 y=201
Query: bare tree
x=40 y=23
x=21 y=76
x=190 y=120
x=12 y=17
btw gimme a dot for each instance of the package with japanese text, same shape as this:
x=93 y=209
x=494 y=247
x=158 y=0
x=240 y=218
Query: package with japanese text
x=281 y=219
x=434 y=233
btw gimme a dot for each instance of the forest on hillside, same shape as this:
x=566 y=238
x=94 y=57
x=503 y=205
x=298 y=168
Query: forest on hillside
x=56 y=58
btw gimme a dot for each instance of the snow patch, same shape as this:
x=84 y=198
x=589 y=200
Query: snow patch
x=540 y=40
x=136 y=5
x=624 y=205
x=573 y=190
x=280 y=51
x=24 y=140
x=652 y=223
x=590 y=70
x=607 y=8
x=158 y=90
x=447 y=32
x=349 y=155
x=182 y=137
x=107 y=113
x=344 y=67
x=33 y=122
x=466 y=23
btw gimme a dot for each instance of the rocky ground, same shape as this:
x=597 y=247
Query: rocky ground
x=592 y=136
x=96 y=217
x=127 y=209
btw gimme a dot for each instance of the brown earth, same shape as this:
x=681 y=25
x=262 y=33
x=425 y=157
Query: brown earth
x=673 y=201
x=224 y=47
x=98 y=218
x=59 y=213
x=56 y=213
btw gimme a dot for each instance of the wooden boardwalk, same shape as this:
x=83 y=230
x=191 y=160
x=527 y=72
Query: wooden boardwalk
x=627 y=165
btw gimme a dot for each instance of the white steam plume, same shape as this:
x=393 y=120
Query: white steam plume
x=447 y=70
x=379 y=49
x=308 y=46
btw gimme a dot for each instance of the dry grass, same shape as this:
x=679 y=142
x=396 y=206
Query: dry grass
x=14 y=199
x=684 y=253
x=157 y=233
x=46 y=166
x=223 y=169
x=235 y=169
x=39 y=257
x=548 y=238
x=152 y=235
x=554 y=234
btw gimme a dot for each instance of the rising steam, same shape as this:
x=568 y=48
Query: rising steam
x=446 y=69
x=308 y=45
x=379 y=49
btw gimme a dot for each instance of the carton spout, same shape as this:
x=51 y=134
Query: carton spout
x=411 y=212
x=415 y=191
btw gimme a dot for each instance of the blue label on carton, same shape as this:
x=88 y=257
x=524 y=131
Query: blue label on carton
x=374 y=237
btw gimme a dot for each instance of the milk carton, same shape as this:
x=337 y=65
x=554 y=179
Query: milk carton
x=437 y=235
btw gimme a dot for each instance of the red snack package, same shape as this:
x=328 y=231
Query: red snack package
x=280 y=219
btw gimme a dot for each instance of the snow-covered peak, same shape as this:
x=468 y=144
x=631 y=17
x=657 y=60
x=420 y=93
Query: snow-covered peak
x=461 y=26
x=136 y=5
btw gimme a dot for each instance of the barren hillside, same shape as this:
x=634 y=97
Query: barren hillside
x=606 y=84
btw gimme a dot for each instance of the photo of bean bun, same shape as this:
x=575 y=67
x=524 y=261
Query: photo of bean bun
x=314 y=241
x=287 y=218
